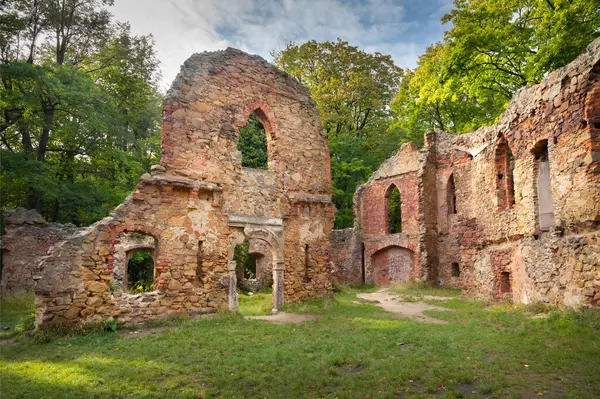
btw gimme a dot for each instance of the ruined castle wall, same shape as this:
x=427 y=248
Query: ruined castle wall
x=196 y=206
x=348 y=256
x=509 y=211
x=402 y=171
x=491 y=240
x=27 y=238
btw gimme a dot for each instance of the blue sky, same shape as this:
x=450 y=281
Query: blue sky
x=401 y=28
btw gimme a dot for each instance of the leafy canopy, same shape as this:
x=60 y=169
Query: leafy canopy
x=79 y=108
x=353 y=90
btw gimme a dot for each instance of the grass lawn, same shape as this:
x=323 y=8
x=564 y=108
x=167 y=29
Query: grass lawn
x=16 y=314
x=354 y=350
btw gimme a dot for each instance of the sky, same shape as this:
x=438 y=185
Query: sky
x=400 y=28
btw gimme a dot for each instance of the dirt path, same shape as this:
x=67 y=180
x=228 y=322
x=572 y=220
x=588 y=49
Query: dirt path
x=283 y=317
x=412 y=310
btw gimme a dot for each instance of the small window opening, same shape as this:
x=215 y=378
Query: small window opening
x=140 y=272
x=362 y=262
x=544 y=188
x=252 y=143
x=451 y=196
x=455 y=270
x=394 y=210
x=200 y=261
x=596 y=125
x=505 y=283
x=307 y=271
x=505 y=164
x=245 y=262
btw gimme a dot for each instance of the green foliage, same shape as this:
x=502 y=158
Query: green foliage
x=113 y=325
x=353 y=90
x=17 y=313
x=245 y=262
x=252 y=143
x=492 y=49
x=394 y=211
x=140 y=272
x=79 y=109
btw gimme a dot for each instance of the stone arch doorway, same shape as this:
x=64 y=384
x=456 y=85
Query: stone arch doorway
x=266 y=245
x=392 y=264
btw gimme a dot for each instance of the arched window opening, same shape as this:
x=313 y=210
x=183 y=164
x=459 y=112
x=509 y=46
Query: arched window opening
x=394 y=210
x=245 y=262
x=451 y=196
x=505 y=164
x=252 y=143
x=505 y=283
x=140 y=272
x=544 y=189
x=455 y=270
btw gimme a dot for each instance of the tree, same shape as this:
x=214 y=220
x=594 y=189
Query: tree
x=492 y=49
x=353 y=90
x=77 y=91
x=425 y=103
x=501 y=46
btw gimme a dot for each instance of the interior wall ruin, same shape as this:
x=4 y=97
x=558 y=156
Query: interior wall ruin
x=509 y=211
x=194 y=207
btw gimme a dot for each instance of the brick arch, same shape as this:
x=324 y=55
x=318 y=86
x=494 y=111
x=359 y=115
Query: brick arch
x=391 y=264
x=261 y=109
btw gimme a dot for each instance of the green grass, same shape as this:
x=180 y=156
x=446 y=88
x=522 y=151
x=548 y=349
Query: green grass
x=17 y=312
x=260 y=303
x=353 y=350
x=421 y=289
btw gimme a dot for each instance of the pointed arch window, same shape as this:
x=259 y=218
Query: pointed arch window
x=394 y=209
x=252 y=143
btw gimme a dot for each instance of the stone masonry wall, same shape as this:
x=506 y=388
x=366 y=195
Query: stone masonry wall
x=511 y=210
x=199 y=203
x=27 y=237
x=348 y=256
x=372 y=218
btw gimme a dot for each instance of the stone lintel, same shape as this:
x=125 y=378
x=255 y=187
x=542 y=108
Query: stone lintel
x=197 y=185
x=304 y=197
x=242 y=221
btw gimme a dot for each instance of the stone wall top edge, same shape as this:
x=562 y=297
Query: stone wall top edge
x=198 y=63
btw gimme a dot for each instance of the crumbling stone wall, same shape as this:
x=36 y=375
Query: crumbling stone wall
x=348 y=256
x=27 y=238
x=513 y=209
x=388 y=256
x=199 y=203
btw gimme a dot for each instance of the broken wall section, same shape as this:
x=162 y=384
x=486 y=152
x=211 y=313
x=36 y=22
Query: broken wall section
x=199 y=203
x=27 y=238
x=527 y=195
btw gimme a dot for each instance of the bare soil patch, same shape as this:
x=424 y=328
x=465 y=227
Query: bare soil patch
x=284 y=317
x=412 y=310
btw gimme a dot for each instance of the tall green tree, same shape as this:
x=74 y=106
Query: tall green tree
x=79 y=108
x=353 y=90
x=492 y=49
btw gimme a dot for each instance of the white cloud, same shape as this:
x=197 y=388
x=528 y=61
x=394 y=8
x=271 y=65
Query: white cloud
x=184 y=27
